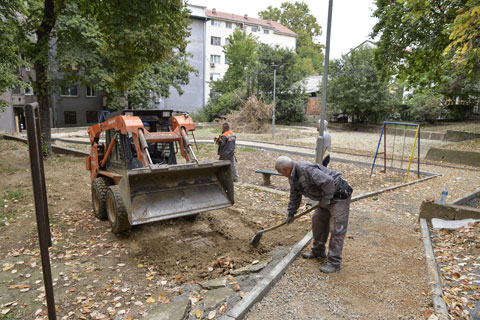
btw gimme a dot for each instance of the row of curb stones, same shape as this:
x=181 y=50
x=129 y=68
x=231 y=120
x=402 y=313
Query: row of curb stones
x=217 y=291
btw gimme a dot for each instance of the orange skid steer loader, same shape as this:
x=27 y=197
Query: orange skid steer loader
x=135 y=175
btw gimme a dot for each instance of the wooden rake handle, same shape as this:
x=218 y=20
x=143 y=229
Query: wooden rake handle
x=294 y=218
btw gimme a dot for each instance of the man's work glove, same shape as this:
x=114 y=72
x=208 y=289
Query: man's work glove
x=289 y=218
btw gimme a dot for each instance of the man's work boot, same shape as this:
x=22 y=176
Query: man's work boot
x=328 y=268
x=312 y=255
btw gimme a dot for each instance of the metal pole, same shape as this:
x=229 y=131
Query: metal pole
x=40 y=196
x=320 y=142
x=385 y=150
x=378 y=146
x=273 y=113
x=418 y=164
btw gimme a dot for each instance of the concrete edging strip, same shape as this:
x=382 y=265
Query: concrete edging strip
x=434 y=277
x=55 y=149
x=467 y=197
x=259 y=291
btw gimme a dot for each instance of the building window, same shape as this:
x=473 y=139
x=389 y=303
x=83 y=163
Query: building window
x=91 y=92
x=239 y=25
x=266 y=31
x=69 y=91
x=216 y=23
x=215 y=59
x=70 y=117
x=254 y=29
x=16 y=90
x=214 y=76
x=227 y=42
x=92 y=116
x=228 y=25
x=216 y=41
x=28 y=89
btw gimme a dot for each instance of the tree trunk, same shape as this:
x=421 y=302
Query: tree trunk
x=41 y=65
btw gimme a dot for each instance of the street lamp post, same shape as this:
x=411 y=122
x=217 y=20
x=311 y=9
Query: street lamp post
x=320 y=141
x=274 y=87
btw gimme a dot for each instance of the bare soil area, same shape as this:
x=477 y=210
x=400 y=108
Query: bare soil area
x=98 y=275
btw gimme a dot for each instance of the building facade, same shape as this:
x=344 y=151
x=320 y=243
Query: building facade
x=76 y=105
x=221 y=25
x=193 y=98
x=12 y=119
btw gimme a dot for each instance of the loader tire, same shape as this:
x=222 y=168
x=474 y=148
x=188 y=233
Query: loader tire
x=99 y=197
x=116 y=212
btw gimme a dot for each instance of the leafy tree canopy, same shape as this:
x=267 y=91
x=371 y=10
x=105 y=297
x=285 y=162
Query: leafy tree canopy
x=242 y=57
x=251 y=71
x=114 y=45
x=464 y=36
x=356 y=87
x=9 y=51
x=297 y=17
x=429 y=43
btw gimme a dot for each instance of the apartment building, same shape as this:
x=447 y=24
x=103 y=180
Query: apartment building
x=193 y=98
x=221 y=25
x=77 y=105
x=12 y=119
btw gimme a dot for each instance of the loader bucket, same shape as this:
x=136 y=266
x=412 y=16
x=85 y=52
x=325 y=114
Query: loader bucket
x=165 y=192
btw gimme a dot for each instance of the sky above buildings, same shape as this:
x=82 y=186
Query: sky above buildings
x=352 y=20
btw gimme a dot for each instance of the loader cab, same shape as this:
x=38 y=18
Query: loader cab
x=161 y=152
x=124 y=154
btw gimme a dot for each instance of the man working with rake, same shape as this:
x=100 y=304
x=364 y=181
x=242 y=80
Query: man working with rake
x=333 y=193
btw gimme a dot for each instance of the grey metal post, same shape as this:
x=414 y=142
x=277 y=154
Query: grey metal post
x=320 y=142
x=273 y=113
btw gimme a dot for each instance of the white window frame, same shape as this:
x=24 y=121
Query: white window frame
x=214 y=76
x=90 y=95
x=69 y=89
x=216 y=23
x=213 y=41
x=228 y=25
x=254 y=29
x=227 y=42
x=215 y=58
x=266 y=31
x=28 y=87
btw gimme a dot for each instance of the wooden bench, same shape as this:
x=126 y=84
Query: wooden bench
x=266 y=175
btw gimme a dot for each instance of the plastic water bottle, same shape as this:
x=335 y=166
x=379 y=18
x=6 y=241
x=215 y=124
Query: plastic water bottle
x=444 y=195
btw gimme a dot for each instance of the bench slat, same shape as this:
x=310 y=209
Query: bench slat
x=264 y=171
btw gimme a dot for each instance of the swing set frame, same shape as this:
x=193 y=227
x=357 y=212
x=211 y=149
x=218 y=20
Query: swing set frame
x=384 y=135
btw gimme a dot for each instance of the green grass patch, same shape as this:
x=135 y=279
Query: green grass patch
x=10 y=316
x=12 y=194
x=6 y=169
x=7 y=209
x=205 y=131
x=247 y=149
x=7 y=214
x=9 y=145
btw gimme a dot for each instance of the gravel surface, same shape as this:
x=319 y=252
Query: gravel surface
x=383 y=275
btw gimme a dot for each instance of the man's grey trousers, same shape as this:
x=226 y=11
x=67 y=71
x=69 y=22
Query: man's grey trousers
x=234 y=169
x=331 y=219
